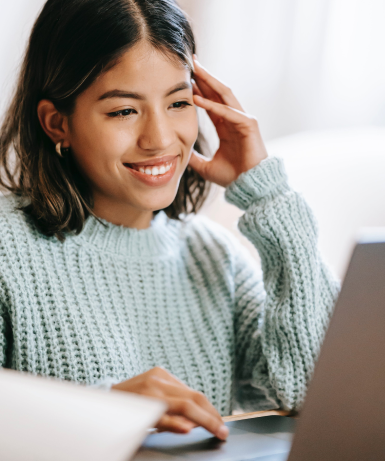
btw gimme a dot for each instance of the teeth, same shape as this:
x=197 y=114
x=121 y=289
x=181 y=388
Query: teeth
x=155 y=170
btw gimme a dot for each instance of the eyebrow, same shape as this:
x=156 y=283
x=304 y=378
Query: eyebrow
x=124 y=94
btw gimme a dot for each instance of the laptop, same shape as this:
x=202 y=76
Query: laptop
x=344 y=414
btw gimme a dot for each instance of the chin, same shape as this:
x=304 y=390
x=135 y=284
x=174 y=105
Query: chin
x=158 y=204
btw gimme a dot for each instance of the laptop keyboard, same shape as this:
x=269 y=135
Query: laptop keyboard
x=262 y=439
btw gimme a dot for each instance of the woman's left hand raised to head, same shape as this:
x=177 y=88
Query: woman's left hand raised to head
x=240 y=144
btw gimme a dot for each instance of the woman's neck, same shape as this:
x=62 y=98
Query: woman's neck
x=122 y=214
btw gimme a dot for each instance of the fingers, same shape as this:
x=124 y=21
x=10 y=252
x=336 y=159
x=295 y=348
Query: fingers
x=213 y=96
x=175 y=423
x=199 y=163
x=185 y=402
x=209 y=84
x=198 y=397
x=207 y=91
x=225 y=112
x=196 y=89
x=203 y=402
x=189 y=409
x=174 y=389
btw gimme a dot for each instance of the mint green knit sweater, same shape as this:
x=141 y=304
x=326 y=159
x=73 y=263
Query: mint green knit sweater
x=114 y=302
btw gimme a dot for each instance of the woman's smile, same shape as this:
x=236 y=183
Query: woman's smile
x=134 y=128
x=153 y=175
x=124 y=291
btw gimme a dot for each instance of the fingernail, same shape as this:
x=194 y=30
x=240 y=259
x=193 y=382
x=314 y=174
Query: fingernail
x=223 y=432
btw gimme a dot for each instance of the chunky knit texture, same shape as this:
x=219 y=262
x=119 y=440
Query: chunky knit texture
x=114 y=301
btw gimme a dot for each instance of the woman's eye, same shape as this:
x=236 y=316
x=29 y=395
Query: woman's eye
x=127 y=112
x=180 y=104
x=121 y=113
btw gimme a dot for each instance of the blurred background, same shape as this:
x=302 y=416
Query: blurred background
x=312 y=72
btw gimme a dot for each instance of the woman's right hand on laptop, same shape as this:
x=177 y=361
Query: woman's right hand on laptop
x=186 y=408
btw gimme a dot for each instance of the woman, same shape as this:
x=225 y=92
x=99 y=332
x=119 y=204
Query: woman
x=103 y=279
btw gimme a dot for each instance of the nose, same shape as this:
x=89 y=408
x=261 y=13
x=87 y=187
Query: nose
x=157 y=133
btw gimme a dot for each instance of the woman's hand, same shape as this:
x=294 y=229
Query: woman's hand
x=186 y=407
x=241 y=146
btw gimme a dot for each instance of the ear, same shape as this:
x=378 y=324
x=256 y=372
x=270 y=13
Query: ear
x=53 y=122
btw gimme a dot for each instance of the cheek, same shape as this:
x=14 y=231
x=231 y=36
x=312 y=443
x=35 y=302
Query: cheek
x=189 y=129
x=98 y=144
x=98 y=137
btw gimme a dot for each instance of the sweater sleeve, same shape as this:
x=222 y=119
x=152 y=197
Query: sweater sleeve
x=279 y=323
x=5 y=333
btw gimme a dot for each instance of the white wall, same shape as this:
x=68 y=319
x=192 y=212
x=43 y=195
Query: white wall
x=313 y=73
x=16 y=20
x=297 y=64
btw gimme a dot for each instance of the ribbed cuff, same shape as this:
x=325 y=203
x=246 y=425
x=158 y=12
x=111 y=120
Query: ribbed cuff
x=266 y=180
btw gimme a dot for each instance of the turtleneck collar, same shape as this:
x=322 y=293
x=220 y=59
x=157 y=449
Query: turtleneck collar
x=158 y=239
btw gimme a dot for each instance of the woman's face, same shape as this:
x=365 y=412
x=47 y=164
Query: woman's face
x=141 y=110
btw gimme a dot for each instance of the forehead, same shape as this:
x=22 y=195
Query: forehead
x=143 y=69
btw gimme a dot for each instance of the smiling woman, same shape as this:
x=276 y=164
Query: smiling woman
x=104 y=101
x=102 y=280
x=130 y=115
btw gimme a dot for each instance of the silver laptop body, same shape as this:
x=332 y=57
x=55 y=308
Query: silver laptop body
x=344 y=414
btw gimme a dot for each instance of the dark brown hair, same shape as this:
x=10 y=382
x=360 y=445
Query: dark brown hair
x=73 y=42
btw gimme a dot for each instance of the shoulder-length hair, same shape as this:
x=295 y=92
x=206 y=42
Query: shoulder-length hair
x=73 y=42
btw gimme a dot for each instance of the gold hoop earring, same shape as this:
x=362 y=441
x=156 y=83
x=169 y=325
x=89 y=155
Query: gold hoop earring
x=59 y=149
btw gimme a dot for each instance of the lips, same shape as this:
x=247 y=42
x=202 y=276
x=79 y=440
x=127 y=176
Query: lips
x=166 y=167
x=153 y=162
x=150 y=179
